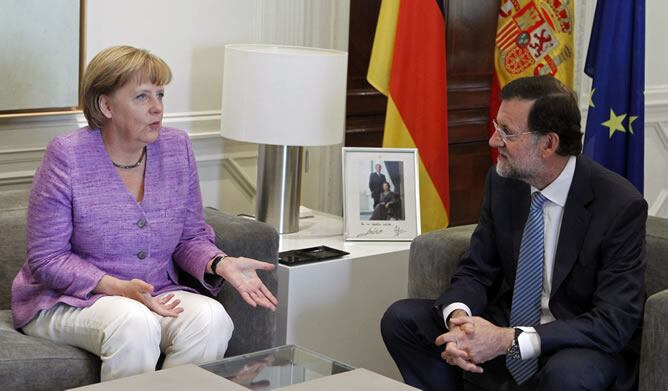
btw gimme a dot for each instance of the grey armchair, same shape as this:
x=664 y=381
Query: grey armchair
x=28 y=363
x=433 y=257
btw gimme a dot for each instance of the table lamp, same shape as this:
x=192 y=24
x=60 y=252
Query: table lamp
x=283 y=98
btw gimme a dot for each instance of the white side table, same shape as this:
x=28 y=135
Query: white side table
x=334 y=307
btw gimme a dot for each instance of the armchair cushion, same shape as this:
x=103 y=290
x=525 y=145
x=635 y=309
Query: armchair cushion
x=654 y=351
x=254 y=328
x=433 y=258
x=29 y=363
x=656 y=276
x=13 y=206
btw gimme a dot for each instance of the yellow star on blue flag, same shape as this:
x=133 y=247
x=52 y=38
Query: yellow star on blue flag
x=615 y=123
x=631 y=119
x=591 y=98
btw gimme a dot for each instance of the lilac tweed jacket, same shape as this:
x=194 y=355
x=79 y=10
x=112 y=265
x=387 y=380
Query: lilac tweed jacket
x=84 y=223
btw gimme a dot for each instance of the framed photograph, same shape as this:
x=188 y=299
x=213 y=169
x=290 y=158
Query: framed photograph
x=381 y=199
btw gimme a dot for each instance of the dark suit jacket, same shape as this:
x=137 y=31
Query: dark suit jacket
x=598 y=290
x=376 y=185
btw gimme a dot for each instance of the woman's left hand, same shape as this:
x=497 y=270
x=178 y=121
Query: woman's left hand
x=241 y=273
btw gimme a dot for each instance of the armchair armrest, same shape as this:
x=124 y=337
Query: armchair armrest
x=654 y=351
x=433 y=258
x=254 y=328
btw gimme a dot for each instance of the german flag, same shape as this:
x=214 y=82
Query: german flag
x=408 y=66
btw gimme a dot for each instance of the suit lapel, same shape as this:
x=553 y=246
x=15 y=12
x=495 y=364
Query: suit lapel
x=574 y=223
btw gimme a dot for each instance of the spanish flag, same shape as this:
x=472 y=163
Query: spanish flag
x=533 y=37
x=408 y=66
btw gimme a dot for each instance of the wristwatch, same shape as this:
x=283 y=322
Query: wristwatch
x=216 y=261
x=514 y=349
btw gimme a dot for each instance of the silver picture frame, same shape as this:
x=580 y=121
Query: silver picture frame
x=390 y=212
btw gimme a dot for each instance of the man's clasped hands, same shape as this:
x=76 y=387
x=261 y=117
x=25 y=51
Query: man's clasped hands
x=472 y=340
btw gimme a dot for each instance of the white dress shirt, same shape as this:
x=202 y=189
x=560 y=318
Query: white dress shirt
x=553 y=211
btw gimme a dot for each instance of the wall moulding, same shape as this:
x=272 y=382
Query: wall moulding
x=659 y=204
x=656 y=103
x=24 y=141
x=656 y=150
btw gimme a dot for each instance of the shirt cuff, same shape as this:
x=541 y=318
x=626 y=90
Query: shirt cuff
x=450 y=308
x=529 y=343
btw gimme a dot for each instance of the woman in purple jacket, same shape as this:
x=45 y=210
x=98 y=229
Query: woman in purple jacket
x=115 y=208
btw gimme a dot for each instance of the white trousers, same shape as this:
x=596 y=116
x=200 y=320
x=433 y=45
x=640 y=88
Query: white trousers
x=128 y=337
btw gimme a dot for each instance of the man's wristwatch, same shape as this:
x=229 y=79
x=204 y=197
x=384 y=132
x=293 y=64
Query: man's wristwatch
x=514 y=349
x=216 y=261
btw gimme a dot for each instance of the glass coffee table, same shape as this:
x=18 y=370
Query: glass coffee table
x=276 y=367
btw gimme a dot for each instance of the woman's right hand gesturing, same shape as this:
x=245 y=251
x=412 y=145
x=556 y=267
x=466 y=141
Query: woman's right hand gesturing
x=140 y=291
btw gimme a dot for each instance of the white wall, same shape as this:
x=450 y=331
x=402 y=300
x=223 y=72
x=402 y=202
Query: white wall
x=189 y=36
x=656 y=108
x=24 y=49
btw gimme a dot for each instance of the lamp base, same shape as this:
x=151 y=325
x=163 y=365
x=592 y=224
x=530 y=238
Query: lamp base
x=279 y=182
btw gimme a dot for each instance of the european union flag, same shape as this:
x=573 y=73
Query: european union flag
x=615 y=133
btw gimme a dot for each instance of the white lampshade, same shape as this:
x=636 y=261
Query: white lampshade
x=284 y=95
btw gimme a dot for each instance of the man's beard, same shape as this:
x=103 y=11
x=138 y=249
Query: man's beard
x=525 y=170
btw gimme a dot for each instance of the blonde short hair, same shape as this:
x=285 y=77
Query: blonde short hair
x=111 y=69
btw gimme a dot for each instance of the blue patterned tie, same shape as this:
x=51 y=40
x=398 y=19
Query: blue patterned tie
x=525 y=310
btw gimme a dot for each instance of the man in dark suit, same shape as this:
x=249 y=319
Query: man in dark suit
x=549 y=296
x=376 y=180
